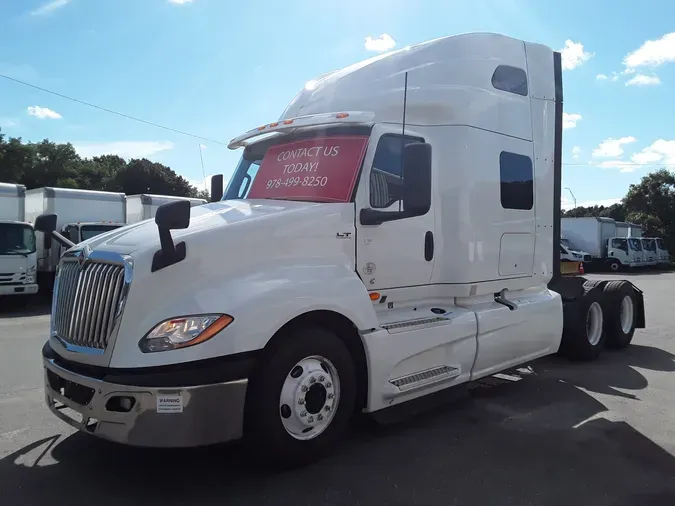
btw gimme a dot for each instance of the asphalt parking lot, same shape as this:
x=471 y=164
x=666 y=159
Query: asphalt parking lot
x=557 y=433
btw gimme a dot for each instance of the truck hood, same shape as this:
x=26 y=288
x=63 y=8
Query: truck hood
x=144 y=235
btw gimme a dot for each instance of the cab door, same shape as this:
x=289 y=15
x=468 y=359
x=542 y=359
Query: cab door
x=398 y=253
x=618 y=248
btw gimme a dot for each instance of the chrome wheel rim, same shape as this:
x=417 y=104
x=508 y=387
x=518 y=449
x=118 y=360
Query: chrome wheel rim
x=594 y=324
x=309 y=397
x=627 y=314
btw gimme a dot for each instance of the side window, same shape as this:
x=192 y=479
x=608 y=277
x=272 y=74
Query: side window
x=385 y=176
x=517 y=181
x=620 y=244
x=511 y=79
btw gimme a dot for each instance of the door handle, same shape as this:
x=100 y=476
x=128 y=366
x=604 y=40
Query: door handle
x=429 y=246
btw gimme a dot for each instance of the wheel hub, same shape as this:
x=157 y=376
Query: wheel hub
x=309 y=397
x=627 y=314
x=594 y=321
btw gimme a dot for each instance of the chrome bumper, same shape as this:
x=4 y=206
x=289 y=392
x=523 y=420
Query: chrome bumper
x=159 y=417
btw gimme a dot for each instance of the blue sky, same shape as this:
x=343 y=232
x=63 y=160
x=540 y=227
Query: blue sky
x=216 y=68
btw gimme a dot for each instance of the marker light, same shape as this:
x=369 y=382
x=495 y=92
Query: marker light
x=183 y=331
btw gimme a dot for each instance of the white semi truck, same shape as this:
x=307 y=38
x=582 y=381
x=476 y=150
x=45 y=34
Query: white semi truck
x=395 y=233
x=18 y=258
x=601 y=239
x=82 y=214
x=144 y=206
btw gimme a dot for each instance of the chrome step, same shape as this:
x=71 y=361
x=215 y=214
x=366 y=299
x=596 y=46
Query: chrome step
x=423 y=378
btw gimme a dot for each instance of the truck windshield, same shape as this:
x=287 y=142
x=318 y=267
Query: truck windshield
x=16 y=239
x=649 y=245
x=635 y=244
x=89 y=231
x=660 y=244
x=318 y=167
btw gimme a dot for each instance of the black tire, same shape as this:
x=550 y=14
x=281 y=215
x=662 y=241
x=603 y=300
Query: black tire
x=263 y=429
x=575 y=342
x=615 y=292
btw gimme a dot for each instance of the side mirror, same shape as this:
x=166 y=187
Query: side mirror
x=216 y=187
x=46 y=223
x=416 y=179
x=173 y=215
x=170 y=216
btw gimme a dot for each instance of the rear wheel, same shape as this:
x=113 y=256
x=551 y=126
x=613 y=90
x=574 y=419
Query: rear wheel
x=583 y=330
x=621 y=313
x=301 y=400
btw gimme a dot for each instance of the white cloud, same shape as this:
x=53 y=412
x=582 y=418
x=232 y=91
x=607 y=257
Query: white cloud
x=611 y=148
x=50 y=7
x=653 y=53
x=573 y=55
x=180 y=2
x=660 y=152
x=43 y=112
x=576 y=151
x=601 y=77
x=622 y=165
x=202 y=184
x=570 y=120
x=568 y=203
x=384 y=42
x=643 y=80
x=125 y=149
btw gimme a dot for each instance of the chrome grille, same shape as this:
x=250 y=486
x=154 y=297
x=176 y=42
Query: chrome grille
x=89 y=299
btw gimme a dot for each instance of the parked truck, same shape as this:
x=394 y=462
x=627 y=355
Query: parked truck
x=18 y=259
x=394 y=233
x=601 y=239
x=569 y=254
x=144 y=206
x=82 y=214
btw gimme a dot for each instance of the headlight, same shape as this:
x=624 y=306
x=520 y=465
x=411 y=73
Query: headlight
x=576 y=255
x=183 y=331
x=30 y=279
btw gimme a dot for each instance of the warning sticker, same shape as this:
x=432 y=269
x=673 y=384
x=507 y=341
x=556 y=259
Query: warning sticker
x=170 y=403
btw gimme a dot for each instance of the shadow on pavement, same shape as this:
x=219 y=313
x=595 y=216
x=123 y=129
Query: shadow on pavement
x=534 y=438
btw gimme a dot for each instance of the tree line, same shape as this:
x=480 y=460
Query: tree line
x=46 y=163
x=650 y=203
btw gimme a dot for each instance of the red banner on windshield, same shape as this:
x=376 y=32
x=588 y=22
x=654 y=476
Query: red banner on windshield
x=322 y=169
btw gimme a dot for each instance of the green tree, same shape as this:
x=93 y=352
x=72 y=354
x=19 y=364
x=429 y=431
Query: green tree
x=51 y=164
x=651 y=203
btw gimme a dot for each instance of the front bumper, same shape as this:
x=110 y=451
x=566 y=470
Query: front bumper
x=18 y=289
x=161 y=416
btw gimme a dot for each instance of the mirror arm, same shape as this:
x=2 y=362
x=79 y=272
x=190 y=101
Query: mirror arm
x=63 y=241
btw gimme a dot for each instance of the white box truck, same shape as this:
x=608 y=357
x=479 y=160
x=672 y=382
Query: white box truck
x=601 y=239
x=18 y=258
x=82 y=214
x=383 y=240
x=144 y=206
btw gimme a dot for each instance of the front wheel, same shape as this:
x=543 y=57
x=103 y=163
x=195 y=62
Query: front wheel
x=301 y=400
x=614 y=266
